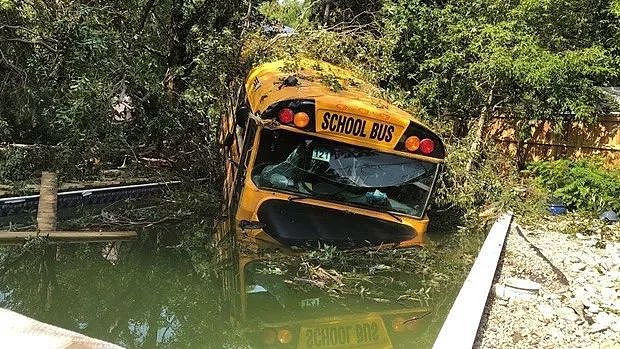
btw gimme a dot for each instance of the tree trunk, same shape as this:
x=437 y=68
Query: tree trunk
x=326 y=13
x=475 y=145
x=521 y=154
x=459 y=127
x=522 y=151
x=177 y=51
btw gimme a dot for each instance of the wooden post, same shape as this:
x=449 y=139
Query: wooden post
x=46 y=221
x=46 y=214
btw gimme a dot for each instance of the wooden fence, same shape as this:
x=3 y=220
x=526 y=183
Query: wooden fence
x=576 y=140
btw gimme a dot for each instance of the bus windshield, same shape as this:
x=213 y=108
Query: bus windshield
x=315 y=167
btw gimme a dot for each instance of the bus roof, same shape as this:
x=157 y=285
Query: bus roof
x=344 y=106
x=330 y=86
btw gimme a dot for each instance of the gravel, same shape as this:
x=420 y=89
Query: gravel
x=577 y=305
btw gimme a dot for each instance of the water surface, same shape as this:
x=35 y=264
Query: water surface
x=164 y=290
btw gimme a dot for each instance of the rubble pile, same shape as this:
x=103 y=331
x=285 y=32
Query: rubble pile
x=554 y=290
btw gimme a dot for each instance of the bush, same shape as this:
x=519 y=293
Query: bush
x=20 y=164
x=492 y=186
x=582 y=184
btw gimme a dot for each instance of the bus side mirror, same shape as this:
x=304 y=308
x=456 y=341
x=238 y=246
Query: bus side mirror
x=241 y=115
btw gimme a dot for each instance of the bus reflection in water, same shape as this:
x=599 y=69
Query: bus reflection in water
x=279 y=315
x=276 y=308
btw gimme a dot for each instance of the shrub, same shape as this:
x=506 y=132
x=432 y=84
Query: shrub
x=20 y=164
x=582 y=184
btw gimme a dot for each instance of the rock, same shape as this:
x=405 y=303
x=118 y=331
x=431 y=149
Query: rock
x=607 y=344
x=546 y=312
x=590 y=289
x=523 y=284
x=608 y=293
x=500 y=292
x=578 y=267
x=607 y=283
x=583 y=313
x=583 y=298
x=602 y=321
x=573 y=258
x=594 y=309
x=577 y=306
x=609 y=217
x=510 y=293
x=589 y=318
x=502 y=302
x=567 y=314
x=615 y=306
x=598 y=327
x=615 y=326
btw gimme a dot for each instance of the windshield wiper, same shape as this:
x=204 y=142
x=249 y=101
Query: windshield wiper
x=300 y=197
x=313 y=196
x=316 y=197
x=394 y=215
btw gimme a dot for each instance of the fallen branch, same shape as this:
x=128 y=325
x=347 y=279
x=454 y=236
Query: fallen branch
x=32 y=42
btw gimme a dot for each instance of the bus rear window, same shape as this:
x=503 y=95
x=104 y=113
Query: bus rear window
x=333 y=171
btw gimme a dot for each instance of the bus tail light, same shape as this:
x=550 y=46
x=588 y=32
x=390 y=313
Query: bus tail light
x=412 y=143
x=419 y=139
x=299 y=113
x=284 y=336
x=301 y=119
x=427 y=146
x=398 y=324
x=285 y=115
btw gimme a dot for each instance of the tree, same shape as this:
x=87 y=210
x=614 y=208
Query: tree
x=103 y=84
x=466 y=60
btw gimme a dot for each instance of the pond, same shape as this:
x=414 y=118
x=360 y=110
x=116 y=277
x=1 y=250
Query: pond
x=167 y=290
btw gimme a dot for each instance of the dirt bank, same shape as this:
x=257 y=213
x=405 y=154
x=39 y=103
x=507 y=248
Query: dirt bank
x=577 y=304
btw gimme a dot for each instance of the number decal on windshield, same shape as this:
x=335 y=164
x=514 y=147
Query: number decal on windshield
x=320 y=154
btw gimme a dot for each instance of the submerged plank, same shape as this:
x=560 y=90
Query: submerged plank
x=460 y=328
x=67 y=236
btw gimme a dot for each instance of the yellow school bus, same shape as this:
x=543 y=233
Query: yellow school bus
x=313 y=156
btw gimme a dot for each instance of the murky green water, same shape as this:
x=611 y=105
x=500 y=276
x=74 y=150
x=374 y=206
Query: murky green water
x=163 y=290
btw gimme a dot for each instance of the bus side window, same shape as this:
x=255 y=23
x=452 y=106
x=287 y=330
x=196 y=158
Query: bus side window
x=242 y=114
x=248 y=141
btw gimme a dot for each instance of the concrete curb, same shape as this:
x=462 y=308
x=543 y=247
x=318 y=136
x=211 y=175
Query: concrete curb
x=460 y=328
